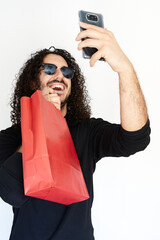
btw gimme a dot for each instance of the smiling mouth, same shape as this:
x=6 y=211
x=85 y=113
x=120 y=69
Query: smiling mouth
x=57 y=87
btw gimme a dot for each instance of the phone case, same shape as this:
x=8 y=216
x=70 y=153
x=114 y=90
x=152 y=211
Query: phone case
x=87 y=52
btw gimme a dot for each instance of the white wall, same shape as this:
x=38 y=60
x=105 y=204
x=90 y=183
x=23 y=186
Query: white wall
x=127 y=196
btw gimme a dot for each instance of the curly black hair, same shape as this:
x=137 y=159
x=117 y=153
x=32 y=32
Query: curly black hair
x=78 y=102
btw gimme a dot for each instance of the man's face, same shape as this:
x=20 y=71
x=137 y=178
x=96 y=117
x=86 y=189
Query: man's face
x=60 y=84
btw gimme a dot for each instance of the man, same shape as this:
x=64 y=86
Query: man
x=61 y=82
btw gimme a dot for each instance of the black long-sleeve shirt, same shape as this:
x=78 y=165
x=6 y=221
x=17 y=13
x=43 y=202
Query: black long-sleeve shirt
x=36 y=219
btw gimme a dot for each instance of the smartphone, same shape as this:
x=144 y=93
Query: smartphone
x=94 y=19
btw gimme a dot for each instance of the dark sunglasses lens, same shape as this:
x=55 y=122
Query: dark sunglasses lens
x=49 y=69
x=67 y=72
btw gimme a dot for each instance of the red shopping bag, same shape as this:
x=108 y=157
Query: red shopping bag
x=51 y=168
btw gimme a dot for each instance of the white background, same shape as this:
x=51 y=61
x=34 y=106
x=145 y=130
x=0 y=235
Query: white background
x=127 y=190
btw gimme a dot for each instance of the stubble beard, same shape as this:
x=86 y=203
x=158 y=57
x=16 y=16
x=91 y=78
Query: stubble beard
x=64 y=102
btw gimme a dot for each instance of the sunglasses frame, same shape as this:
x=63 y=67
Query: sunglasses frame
x=61 y=68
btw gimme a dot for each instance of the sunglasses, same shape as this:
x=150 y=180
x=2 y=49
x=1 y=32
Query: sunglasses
x=50 y=69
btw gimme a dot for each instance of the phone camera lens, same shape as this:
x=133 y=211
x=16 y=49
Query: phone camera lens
x=92 y=17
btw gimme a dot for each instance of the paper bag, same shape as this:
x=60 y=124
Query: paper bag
x=51 y=168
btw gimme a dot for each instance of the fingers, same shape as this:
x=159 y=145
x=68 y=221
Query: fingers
x=46 y=90
x=89 y=42
x=55 y=99
x=49 y=94
x=95 y=57
x=91 y=31
x=87 y=26
x=96 y=37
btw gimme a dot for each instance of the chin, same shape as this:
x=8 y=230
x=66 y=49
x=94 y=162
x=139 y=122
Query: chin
x=62 y=98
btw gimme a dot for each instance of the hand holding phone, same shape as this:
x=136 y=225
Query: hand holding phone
x=98 y=43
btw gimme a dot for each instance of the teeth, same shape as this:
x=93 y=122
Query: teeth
x=58 y=86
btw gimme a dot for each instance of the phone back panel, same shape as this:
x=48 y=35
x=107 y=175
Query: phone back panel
x=83 y=17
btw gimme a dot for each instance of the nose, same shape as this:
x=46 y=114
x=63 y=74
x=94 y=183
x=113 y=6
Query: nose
x=58 y=73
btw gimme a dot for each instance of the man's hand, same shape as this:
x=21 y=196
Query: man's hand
x=107 y=46
x=19 y=149
x=51 y=96
x=132 y=103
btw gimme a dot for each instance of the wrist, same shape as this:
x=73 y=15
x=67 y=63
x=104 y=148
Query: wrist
x=126 y=70
x=128 y=80
x=20 y=149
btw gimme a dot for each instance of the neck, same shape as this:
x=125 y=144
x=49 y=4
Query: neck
x=64 y=110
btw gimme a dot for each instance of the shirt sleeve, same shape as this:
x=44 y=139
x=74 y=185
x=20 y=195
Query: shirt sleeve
x=11 y=172
x=107 y=139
